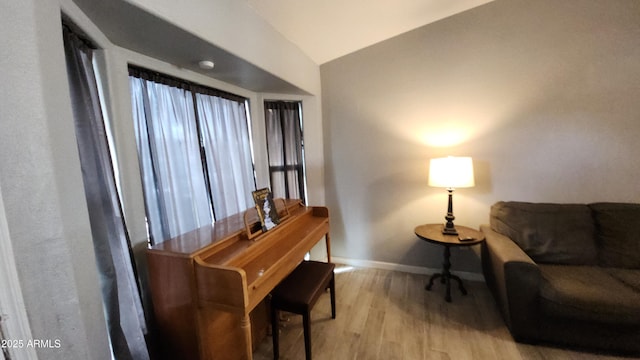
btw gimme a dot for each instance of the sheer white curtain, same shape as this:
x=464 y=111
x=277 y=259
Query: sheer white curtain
x=293 y=150
x=225 y=135
x=175 y=191
x=275 y=151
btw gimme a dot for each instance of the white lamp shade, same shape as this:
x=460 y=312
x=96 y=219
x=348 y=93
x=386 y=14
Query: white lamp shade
x=451 y=172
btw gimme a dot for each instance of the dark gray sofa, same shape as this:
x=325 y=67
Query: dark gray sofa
x=566 y=273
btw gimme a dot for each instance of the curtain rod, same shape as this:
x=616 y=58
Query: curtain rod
x=155 y=76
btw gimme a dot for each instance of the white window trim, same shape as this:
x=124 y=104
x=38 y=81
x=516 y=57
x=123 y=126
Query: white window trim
x=14 y=322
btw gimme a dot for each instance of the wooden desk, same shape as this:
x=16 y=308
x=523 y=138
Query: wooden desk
x=433 y=234
x=206 y=284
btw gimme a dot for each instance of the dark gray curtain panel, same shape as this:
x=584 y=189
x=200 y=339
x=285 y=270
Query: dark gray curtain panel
x=121 y=297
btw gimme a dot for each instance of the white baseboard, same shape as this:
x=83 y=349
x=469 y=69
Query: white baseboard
x=470 y=276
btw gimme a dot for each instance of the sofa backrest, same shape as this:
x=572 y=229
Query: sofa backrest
x=548 y=233
x=618 y=234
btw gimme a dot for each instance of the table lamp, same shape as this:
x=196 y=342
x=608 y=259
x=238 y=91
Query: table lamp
x=451 y=172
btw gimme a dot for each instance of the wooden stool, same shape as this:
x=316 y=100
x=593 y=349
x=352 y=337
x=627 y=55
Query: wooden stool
x=297 y=294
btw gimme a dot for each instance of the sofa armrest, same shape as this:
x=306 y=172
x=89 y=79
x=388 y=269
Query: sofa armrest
x=514 y=279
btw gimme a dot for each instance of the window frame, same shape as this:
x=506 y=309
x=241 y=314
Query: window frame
x=300 y=167
x=194 y=89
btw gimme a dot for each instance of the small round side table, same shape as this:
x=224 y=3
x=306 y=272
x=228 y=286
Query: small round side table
x=433 y=234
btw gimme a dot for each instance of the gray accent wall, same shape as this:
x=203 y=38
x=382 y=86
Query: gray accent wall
x=544 y=95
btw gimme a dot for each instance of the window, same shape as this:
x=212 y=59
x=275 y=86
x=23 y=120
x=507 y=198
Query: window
x=194 y=151
x=286 y=149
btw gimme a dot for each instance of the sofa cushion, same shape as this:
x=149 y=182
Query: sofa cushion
x=548 y=233
x=590 y=293
x=618 y=234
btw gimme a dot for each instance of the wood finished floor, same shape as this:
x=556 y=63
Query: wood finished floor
x=388 y=315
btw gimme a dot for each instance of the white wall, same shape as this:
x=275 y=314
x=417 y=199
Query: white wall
x=542 y=94
x=42 y=186
x=233 y=26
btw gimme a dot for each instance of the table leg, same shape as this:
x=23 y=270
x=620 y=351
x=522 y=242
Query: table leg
x=446 y=276
x=431 y=280
x=446 y=273
x=460 y=286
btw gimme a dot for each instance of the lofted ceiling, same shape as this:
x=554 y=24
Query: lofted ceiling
x=328 y=29
x=132 y=28
x=323 y=29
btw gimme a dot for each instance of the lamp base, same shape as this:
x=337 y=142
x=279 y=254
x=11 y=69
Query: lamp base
x=449 y=230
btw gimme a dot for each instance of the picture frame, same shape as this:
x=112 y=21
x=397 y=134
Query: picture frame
x=266 y=208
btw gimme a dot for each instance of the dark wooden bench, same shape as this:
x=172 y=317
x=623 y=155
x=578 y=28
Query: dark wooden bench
x=297 y=294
